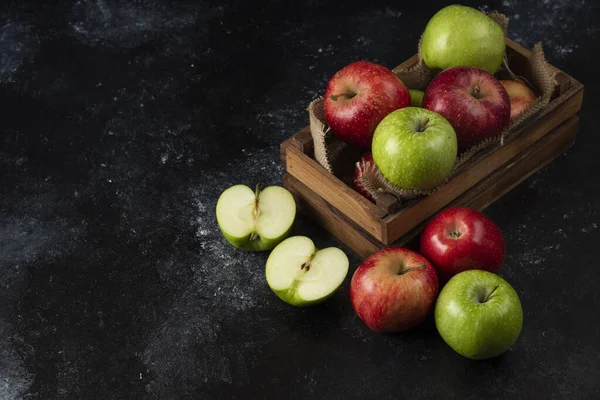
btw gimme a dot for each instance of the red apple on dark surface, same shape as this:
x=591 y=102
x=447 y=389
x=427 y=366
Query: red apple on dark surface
x=394 y=289
x=366 y=161
x=459 y=239
x=473 y=101
x=358 y=97
x=521 y=97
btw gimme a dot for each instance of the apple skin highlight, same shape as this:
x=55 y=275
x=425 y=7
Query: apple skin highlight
x=394 y=290
x=473 y=101
x=358 y=97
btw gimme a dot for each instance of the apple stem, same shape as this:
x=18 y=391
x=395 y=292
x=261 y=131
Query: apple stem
x=476 y=91
x=256 y=210
x=253 y=236
x=422 y=126
x=455 y=234
x=411 y=268
x=334 y=97
x=486 y=298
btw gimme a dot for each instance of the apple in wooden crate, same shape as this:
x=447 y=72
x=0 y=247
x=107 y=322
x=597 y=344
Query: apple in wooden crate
x=462 y=36
x=416 y=97
x=414 y=148
x=358 y=97
x=472 y=100
x=521 y=97
x=393 y=290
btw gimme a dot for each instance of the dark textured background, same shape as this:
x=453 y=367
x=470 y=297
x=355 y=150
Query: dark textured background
x=121 y=123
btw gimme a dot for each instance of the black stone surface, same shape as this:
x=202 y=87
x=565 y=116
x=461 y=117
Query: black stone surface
x=121 y=123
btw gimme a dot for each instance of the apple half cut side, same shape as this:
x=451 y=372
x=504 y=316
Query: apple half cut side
x=301 y=275
x=255 y=220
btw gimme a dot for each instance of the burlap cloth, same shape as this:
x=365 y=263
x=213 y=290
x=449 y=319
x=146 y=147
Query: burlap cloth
x=328 y=147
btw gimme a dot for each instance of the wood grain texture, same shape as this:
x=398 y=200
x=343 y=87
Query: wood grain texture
x=333 y=220
x=358 y=209
x=303 y=141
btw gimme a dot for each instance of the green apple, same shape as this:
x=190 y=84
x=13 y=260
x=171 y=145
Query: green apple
x=462 y=36
x=478 y=314
x=301 y=275
x=416 y=97
x=414 y=148
x=255 y=220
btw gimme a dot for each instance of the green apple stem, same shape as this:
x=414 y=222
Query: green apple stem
x=253 y=236
x=404 y=271
x=489 y=295
x=349 y=95
x=256 y=209
x=422 y=125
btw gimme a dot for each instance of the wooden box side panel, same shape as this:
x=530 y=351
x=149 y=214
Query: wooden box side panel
x=479 y=196
x=356 y=207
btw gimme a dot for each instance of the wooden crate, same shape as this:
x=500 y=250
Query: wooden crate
x=367 y=227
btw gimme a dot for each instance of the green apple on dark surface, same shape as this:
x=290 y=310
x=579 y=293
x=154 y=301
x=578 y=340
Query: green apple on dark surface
x=255 y=220
x=302 y=275
x=416 y=97
x=414 y=148
x=462 y=36
x=478 y=314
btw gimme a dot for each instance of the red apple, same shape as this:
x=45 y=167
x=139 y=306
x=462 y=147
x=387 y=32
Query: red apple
x=460 y=238
x=521 y=97
x=473 y=101
x=366 y=161
x=393 y=290
x=358 y=97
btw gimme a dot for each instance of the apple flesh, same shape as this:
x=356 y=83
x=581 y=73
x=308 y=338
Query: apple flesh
x=462 y=36
x=414 y=148
x=478 y=314
x=358 y=97
x=301 y=275
x=364 y=163
x=521 y=97
x=255 y=220
x=472 y=100
x=393 y=290
x=459 y=239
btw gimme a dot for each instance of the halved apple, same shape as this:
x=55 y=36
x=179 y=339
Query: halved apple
x=255 y=220
x=301 y=275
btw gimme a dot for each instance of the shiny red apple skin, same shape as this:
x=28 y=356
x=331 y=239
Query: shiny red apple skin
x=474 y=117
x=376 y=91
x=389 y=296
x=459 y=239
x=366 y=161
x=520 y=96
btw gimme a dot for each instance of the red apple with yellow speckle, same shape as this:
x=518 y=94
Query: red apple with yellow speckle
x=472 y=100
x=461 y=238
x=358 y=97
x=394 y=289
